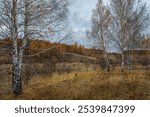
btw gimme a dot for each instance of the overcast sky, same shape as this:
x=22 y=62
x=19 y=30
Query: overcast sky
x=80 y=14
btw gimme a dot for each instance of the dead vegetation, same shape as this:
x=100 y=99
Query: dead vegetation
x=87 y=85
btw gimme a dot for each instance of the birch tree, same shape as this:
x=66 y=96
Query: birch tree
x=130 y=19
x=25 y=19
x=100 y=20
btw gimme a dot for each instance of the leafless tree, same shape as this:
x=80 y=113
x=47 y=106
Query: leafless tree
x=129 y=20
x=100 y=21
x=25 y=19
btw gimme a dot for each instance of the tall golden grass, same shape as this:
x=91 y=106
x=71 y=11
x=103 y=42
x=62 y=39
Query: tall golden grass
x=88 y=85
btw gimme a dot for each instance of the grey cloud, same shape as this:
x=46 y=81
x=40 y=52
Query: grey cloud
x=80 y=14
x=80 y=18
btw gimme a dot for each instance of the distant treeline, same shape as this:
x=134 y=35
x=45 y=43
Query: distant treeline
x=45 y=49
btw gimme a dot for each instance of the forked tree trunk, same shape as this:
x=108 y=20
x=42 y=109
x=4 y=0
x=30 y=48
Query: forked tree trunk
x=17 y=53
x=105 y=55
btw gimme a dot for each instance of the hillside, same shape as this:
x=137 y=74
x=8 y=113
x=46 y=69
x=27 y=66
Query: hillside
x=61 y=71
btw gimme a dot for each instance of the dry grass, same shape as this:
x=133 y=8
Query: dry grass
x=88 y=85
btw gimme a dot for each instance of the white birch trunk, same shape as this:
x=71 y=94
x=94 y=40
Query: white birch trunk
x=16 y=63
x=105 y=55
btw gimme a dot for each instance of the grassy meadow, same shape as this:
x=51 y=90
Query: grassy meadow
x=85 y=84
